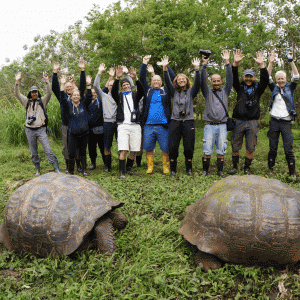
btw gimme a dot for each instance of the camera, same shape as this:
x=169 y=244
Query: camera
x=133 y=116
x=31 y=119
x=293 y=113
x=182 y=113
x=206 y=53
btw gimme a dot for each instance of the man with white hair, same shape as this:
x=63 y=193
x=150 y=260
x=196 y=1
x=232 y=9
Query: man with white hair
x=282 y=110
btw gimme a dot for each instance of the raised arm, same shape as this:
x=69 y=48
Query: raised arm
x=88 y=96
x=47 y=97
x=203 y=77
x=97 y=81
x=143 y=72
x=55 y=81
x=264 y=75
x=229 y=77
x=272 y=59
x=82 y=82
x=196 y=86
x=125 y=70
x=19 y=96
x=164 y=63
x=238 y=57
x=115 y=87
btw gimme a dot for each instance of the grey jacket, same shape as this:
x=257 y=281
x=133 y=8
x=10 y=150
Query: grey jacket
x=213 y=110
x=34 y=109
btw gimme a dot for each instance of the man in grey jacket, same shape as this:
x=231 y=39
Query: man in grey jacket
x=35 y=123
x=215 y=130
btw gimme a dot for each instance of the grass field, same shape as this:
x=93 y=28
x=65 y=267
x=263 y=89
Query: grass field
x=153 y=261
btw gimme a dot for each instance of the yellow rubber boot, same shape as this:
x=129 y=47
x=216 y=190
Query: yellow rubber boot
x=165 y=163
x=150 y=163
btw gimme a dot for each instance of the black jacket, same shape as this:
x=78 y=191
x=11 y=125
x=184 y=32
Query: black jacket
x=245 y=109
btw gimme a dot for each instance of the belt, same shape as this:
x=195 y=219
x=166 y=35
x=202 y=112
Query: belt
x=214 y=123
x=281 y=120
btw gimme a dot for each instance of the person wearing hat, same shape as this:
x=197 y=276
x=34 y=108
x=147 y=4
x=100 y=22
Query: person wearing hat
x=246 y=111
x=36 y=121
x=128 y=118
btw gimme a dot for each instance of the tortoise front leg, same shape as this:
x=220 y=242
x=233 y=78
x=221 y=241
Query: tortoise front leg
x=209 y=262
x=3 y=237
x=105 y=236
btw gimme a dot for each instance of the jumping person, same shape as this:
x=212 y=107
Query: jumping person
x=36 y=121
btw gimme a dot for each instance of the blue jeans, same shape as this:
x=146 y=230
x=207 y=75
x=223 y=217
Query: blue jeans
x=153 y=133
x=215 y=134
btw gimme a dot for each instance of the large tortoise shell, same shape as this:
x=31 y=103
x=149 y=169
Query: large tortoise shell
x=245 y=219
x=53 y=213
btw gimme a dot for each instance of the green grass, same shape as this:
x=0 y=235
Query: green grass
x=153 y=261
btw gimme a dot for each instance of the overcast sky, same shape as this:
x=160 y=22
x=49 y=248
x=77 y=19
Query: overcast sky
x=21 y=21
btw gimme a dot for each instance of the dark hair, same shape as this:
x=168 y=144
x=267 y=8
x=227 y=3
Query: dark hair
x=177 y=87
x=29 y=95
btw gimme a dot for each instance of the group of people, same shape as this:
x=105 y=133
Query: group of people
x=142 y=113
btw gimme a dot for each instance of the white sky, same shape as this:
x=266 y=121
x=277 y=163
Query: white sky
x=22 y=21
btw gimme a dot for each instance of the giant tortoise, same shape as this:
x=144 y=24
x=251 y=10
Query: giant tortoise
x=55 y=214
x=245 y=219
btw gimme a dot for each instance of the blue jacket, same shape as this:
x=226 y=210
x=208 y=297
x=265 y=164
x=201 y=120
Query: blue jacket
x=288 y=93
x=95 y=113
x=57 y=92
x=78 y=117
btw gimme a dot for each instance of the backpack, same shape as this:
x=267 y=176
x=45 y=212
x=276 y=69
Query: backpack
x=43 y=108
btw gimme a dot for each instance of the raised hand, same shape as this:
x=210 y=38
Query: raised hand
x=119 y=72
x=196 y=63
x=71 y=79
x=81 y=64
x=125 y=69
x=238 y=57
x=132 y=71
x=146 y=59
x=18 y=76
x=226 y=56
x=45 y=76
x=101 y=68
x=63 y=79
x=164 y=61
x=55 y=67
x=88 y=80
x=111 y=72
x=150 y=69
x=259 y=58
x=272 y=57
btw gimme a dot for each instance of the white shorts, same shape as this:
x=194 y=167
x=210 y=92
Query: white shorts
x=129 y=137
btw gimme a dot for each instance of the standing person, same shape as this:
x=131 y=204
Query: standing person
x=246 y=111
x=36 y=121
x=282 y=110
x=76 y=111
x=215 y=129
x=69 y=87
x=182 y=116
x=96 y=129
x=156 y=117
x=128 y=118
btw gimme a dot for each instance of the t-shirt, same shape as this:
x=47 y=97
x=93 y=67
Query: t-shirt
x=156 y=113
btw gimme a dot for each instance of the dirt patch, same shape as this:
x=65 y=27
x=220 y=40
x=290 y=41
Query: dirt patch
x=10 y=273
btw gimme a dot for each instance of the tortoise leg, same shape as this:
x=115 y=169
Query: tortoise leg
x=119 y=220
x=105 y=236
x=209 y=262
x=3 y=237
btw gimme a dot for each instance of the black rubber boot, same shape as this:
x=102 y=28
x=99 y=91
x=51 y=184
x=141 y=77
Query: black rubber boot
x=71 y=166
x=121 y=168
x=205 y=163
x=220 y=164
x=38 y=169
x=129 y=165
x=173 y=167
x=93 y=166
x=138 y=160
x=83 y=166
x=248 y=162
x=235 y=162
x=188 y=167
x=271 y=163
x=108 y=163
x=79 y=169
x=67 y=166
x=291 y=166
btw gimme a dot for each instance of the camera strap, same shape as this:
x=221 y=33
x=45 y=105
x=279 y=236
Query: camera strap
x=128 y=104
x=285 y=100
x=43 y=108
x=217 y=96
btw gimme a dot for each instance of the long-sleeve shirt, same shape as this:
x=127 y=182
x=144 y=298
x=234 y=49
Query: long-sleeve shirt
x=214 y=110
x=34 y=109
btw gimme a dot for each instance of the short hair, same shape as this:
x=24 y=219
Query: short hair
x=280 y=72
x=177 y=87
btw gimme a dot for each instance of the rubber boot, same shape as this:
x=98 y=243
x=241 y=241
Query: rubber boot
x=220 y=164
x=38 y=169
x=71 y=166
x=83 y=166
x=56 y=168
x=67 y=166
x=248 y=162
x=108 y=163
x=150 y=163
x=271 y=163
x=291 y=166
x=235 y=162
x=129 y=165
x=121 y=168
x=93 y=166
x=79 y=169
x=165 y=164
x=205 y=163
x=188 y=167
x=138 y=161
x=173 y=166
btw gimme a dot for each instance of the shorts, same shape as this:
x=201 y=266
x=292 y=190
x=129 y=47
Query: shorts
x=129 y=137
x=215 y=134
x=109 y=129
